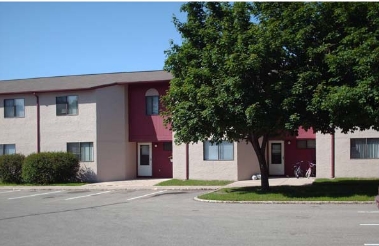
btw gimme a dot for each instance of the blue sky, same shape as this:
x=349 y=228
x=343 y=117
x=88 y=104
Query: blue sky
x=65 y=38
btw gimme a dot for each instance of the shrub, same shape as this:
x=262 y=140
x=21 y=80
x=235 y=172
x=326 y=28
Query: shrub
x=50 y=167
x=11 y=167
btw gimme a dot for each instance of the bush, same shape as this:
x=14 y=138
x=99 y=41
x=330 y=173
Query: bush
x=50 y=167
x=11 y=167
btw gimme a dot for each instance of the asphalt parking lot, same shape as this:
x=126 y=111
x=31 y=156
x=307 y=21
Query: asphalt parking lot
x=163 y=217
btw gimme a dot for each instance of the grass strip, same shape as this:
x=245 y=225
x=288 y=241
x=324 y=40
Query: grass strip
x=320 y=190
x=192 y=182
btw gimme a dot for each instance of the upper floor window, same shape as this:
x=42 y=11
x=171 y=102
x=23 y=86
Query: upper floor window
x=7 y=149
x=14 y=108
x=67 y=105
x=84 y=151
x=306 y=144
x=223 y=151
x=152 y=102
x=364 y=148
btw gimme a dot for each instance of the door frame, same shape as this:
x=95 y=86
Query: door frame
x=276 y=169
x=144 y=170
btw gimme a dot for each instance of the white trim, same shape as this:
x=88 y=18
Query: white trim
x=145 y=170
x=151 y=92
x=276 y=169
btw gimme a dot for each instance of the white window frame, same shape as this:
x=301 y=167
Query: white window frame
x=152 y=102
x=15 y=114
x=364 y=151
x=79 y=152
x=3 y=149
x=67 y=106
x=220 y=151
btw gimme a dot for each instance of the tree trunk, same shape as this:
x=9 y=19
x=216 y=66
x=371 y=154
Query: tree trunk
x=260 y=151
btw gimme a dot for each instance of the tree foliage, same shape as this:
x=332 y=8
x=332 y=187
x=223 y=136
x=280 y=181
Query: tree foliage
x=245 y=71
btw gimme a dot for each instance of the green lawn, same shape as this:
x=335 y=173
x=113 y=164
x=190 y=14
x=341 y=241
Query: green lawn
x=320 y=190
x=178 y=182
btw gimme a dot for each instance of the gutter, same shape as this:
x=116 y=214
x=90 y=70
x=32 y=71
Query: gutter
x=187 y=161
x=332 y=155
x=38 y=124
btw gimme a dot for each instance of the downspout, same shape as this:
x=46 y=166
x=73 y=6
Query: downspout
x=187 y=161
x=38 y=124
x=332 y=155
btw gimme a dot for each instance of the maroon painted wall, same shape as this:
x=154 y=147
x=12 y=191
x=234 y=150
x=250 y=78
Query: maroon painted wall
x=162 y=166
x=142 y=127
x=293 y=154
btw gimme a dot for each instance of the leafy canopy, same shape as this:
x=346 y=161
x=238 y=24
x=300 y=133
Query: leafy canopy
x=224 y=86
x=254 y=69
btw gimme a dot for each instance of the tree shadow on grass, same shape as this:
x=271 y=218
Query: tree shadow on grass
x=333 y=189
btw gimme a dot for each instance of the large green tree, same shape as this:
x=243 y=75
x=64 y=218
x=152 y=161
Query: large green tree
x=247 y=71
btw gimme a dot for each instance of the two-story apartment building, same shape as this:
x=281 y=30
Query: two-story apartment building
x=112 y=123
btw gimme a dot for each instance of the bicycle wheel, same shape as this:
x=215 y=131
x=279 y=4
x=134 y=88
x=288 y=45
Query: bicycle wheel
x=308 y=173
x=296 y=172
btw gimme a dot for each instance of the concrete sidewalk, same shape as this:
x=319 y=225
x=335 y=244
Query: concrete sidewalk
x=149 y=184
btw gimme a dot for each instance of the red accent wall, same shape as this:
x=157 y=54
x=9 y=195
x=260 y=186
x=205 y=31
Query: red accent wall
x=162 y=166
x=292 y=154
x=142 y=127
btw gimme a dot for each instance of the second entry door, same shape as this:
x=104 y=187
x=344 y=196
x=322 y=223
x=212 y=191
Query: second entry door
x=144 y=160
x=276 y=157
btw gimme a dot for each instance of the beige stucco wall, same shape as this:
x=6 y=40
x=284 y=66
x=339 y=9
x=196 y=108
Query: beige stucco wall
x=200 y=168
x=179 y=161
x=247 y=161
x=323 y=155
x=57 y=131
x=344 y=166
x=102 y=120
x=244 y=165
x=116 y=156
x=20 y=131
x=210 y=170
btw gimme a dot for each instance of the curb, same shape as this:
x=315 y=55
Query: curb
x=285 y=202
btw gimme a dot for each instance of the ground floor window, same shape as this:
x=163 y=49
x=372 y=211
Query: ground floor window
x=223 y=151
x=84 y=151
x=364 y=148
x=7 y=149
x=167 y=146
x=306 y=144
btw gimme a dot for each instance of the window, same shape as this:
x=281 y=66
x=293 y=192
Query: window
x=84 y=151
x=220 y=152
x=306 y=144
x=364 y=148
x=14 y=108
x=152 y=102
x=7 y=149
x=67 y=105
x=167 y=146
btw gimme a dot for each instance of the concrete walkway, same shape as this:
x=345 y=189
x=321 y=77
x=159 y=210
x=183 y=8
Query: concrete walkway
x=149 y=184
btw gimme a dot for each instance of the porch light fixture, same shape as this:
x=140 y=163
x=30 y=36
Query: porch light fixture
x=289 y=142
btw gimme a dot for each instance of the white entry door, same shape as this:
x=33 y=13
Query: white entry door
x=276 y=157
x=144 y=160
